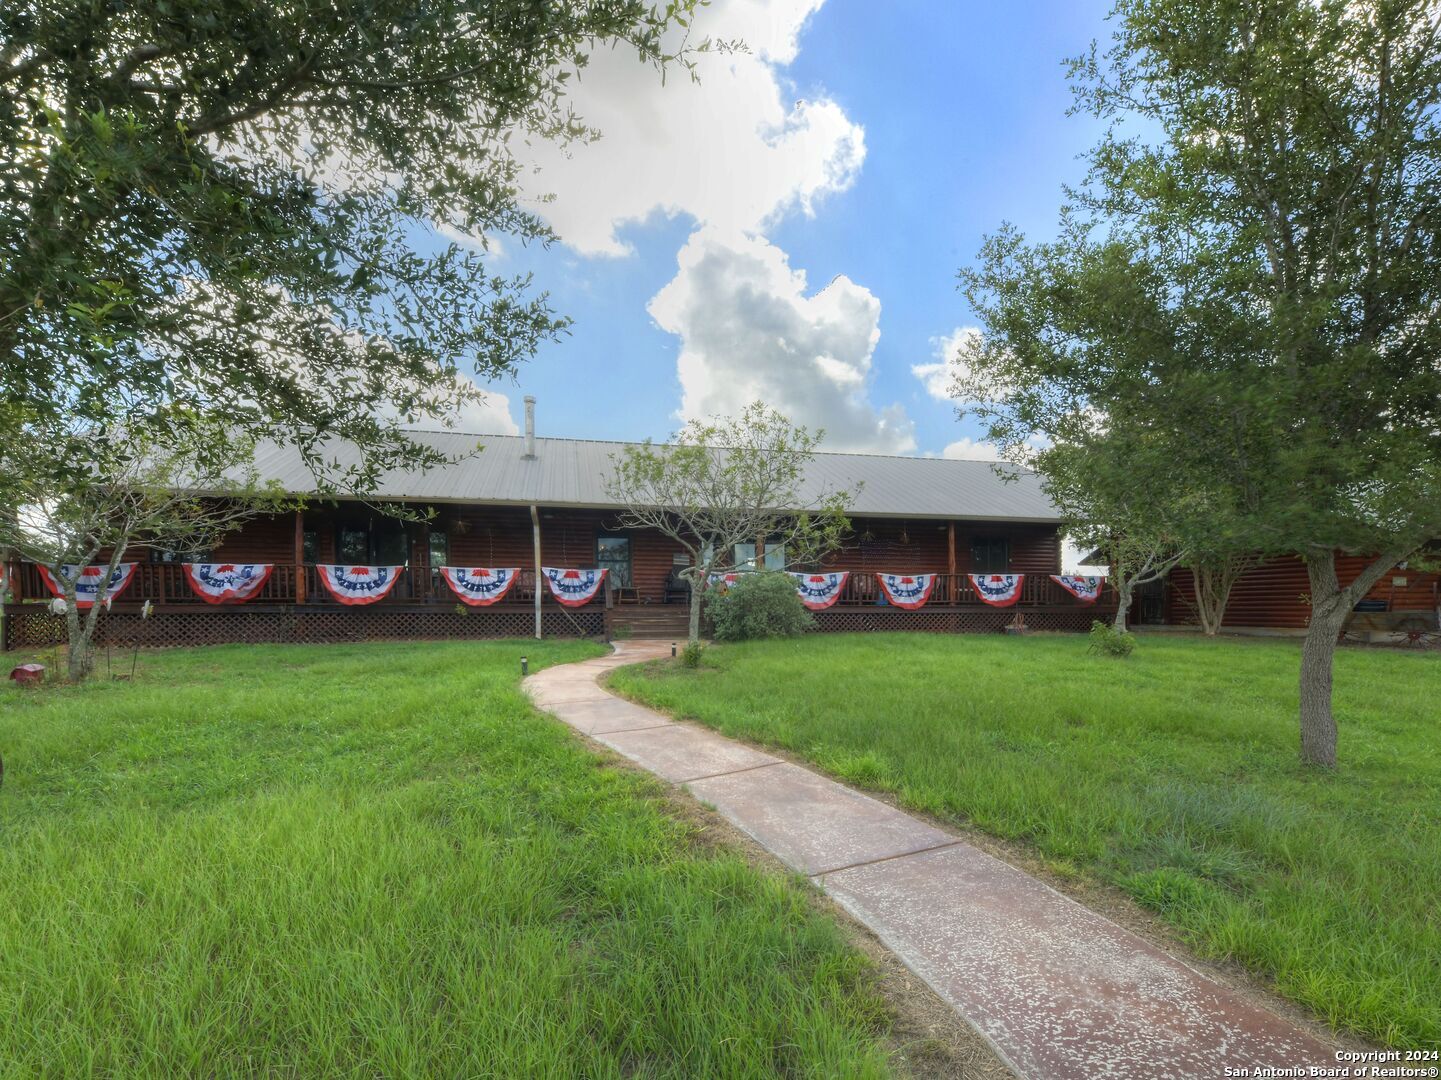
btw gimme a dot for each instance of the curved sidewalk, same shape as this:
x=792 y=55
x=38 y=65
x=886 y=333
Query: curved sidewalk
x=1058 y=990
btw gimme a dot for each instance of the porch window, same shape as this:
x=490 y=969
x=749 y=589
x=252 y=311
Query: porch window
x=775 y=558
x=439 y=549
x=990 y=555
x=744 y=557
x=613 y=553
x=310 y=546
x=371 y=542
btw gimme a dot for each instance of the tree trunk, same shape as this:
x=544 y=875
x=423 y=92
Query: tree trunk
x=696 y=595
x=1213 y=579
x=78 y=633
x=1328 y=615
x=1123 y=605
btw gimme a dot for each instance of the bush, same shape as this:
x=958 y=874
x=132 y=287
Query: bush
x=691 y=653
x=1108 y=641
x=758 y=606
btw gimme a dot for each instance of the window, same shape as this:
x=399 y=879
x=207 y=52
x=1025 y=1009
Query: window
x=744 y=557
x=990 y=555
x=371 y=542
x=613 y=553
x=775 y=558
x=310 y=546
x=439 y=549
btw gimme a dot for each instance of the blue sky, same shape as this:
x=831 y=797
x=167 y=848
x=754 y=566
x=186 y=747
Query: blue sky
x=866 y=147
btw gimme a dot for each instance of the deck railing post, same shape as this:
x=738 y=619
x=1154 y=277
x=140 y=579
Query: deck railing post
x=299 y=567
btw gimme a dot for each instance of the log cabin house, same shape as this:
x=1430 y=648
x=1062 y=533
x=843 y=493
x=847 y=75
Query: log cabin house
x=1271 y=599
x=528 y=502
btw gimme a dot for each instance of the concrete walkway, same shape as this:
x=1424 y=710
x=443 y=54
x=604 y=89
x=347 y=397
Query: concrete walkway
x=1058 y=990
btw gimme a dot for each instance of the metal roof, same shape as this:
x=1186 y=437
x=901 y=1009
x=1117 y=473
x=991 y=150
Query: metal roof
x=572 y=472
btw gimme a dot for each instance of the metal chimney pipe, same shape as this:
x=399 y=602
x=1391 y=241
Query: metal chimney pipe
x=530 y=425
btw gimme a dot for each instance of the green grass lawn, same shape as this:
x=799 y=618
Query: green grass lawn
x=378 y=860
x=1173 y=774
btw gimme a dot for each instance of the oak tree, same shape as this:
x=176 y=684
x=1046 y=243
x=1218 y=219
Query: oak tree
x=1250 y=276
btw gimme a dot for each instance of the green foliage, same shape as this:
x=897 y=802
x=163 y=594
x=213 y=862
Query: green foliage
x=726 y=482
x=759 y=605
x=1238 y=308
x=1230 y=345
x=692 y=653
x=1107 y=640
x=1172 y=775
x=425 y=877
x=217 y=206
x=137 y=488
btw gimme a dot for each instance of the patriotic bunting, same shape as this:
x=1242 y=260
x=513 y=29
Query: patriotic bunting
x=479 y=586
x=358 y=584
x=574 y=588
x=1083 y=588
x=998 y=590
x=820 y=591
x=715 y=580
x=226 y=583
x=909 y=591
x=87 y=582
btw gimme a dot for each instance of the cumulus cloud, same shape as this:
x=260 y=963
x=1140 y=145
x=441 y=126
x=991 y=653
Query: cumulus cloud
x=950 y=349
x=730 y=150
x=488 y=416
x=750 y=331
x=968 y=449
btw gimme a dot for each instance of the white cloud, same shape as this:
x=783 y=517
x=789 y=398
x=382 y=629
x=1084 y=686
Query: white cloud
x=749 y=332
x=488 y=416
x=729 y=150
x=968 y=449
x=939 y=378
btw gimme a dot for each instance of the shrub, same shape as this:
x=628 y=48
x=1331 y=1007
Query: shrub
x=1108 y=641
x=758 y=606
x=690 y=655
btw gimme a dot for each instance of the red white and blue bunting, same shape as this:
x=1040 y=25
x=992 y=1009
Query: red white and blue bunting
x=88 y=580
x=226 y=583
x=998 y=590
x=479 y=586
x=574 y=588
x=909 y=591
x=1084 y=588
x=820 y=591
x=722 y=580
x=358 y=584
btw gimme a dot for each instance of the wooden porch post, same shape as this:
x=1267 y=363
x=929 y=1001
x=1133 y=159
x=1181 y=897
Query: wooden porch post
x=951 y=548
x=299 y=557
x=539 y=583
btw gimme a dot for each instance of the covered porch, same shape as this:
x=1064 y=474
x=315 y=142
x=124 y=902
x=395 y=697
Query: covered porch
x=643 y=596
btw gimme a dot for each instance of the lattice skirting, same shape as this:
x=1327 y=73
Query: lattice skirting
x=1076 y=621
x=29 y=628
x=947 y=621
x=852 y=621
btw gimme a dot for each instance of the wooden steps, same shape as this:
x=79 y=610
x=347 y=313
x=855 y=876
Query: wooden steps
x=649 y=620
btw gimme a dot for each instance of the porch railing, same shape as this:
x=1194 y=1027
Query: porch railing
x=164 y=583
x=955 y=590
